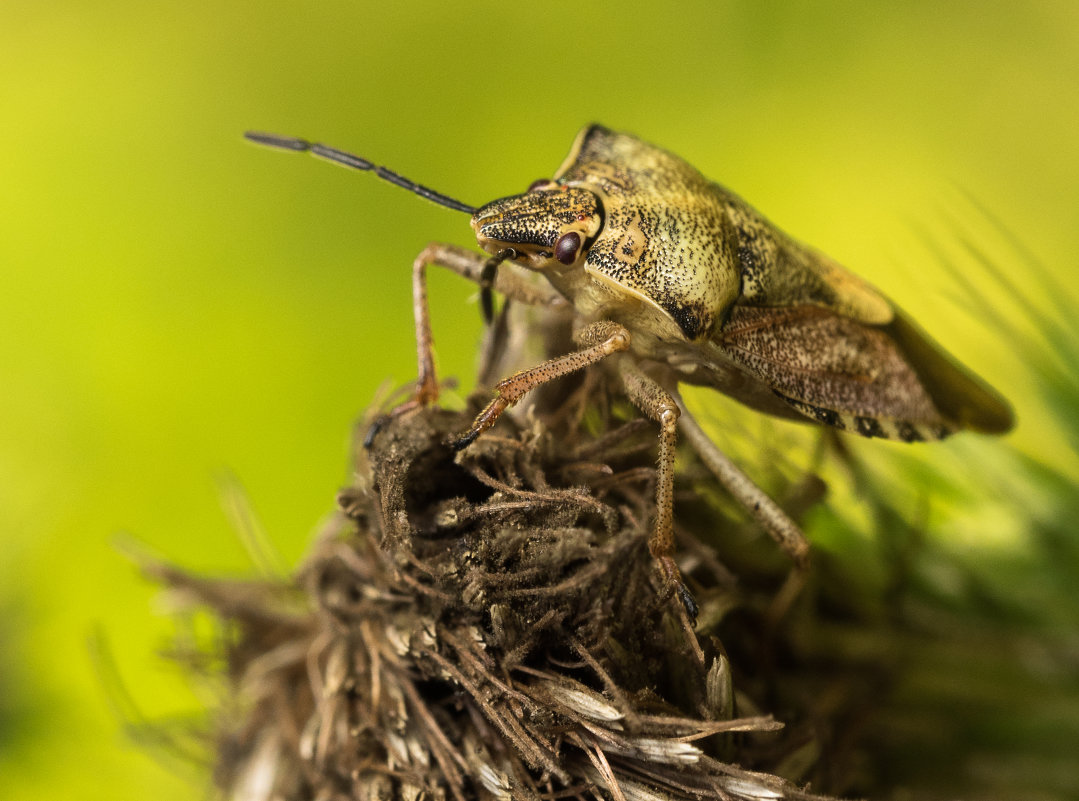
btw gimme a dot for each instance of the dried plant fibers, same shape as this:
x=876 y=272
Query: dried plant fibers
x=490 y=624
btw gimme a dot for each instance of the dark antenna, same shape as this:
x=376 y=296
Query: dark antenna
x=355 y=162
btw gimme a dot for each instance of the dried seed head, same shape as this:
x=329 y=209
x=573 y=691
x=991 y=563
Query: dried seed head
x=517 y=648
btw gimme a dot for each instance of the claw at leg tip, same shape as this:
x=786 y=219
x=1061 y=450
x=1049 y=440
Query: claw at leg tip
x=463 y=441
x=374 y=429
x=686 y=597
x=672 y=577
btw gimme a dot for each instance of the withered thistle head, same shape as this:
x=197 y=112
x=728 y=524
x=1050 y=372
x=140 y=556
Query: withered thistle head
x=488 y=625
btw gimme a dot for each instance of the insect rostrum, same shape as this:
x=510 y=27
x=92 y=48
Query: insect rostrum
x=681 y=281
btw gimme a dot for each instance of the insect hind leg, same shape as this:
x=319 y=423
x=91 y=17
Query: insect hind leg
x=756 y=501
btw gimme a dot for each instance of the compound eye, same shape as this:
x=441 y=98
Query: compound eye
x=565 y=249
x=538 y=184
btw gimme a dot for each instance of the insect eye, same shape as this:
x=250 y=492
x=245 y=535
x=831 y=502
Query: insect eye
x=538 y=184
x=565 y=249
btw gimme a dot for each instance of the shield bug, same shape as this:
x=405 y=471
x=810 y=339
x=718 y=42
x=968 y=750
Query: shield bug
x=681 y=281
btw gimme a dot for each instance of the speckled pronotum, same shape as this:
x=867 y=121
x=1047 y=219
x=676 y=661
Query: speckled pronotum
x=681 y=281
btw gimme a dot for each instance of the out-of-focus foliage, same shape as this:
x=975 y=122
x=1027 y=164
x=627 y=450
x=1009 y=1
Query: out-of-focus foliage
x=176 y=304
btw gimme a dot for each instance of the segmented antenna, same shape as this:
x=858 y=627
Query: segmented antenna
x=357 y=163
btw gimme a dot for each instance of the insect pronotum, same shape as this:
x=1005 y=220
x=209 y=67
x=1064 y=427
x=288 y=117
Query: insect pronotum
x=681 y=281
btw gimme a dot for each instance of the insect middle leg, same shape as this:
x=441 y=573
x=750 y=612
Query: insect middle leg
x=661 y=406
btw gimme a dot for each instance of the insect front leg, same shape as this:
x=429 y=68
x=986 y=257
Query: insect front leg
x=460 y=260
x=598 y=340
x=468 y=264
x=426 y=381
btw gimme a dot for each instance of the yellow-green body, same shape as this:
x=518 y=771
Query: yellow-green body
x=664 y=266
x=707 y=286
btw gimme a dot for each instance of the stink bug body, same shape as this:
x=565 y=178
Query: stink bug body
x=682 y=281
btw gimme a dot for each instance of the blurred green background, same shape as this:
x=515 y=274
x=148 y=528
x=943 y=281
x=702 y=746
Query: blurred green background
x=177 y=305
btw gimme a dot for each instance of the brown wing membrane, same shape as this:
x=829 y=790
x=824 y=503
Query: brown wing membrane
x=961 y=396
x=879 y=381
